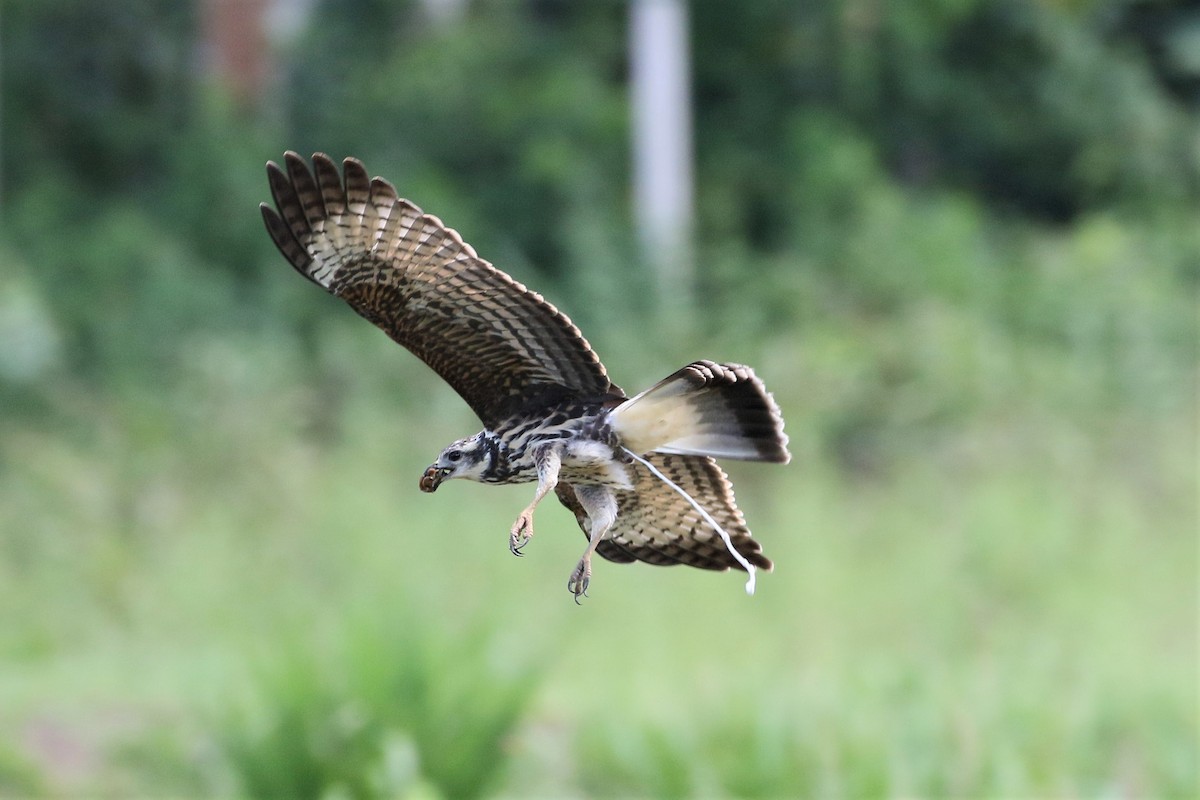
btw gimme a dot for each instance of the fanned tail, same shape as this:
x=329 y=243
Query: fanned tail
x=707 y=409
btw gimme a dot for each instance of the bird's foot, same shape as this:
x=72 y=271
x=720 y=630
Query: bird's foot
x=580 y=578
x=521 y=533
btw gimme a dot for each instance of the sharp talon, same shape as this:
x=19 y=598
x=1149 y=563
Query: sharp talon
x=520 y=534
x=579 y=581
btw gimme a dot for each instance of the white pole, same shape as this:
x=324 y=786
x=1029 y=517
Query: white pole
x=444 y=12
x=662 y=143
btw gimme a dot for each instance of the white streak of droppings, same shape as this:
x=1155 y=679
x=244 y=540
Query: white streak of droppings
x=750 y=581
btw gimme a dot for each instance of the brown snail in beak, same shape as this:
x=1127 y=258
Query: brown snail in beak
x=432 y=478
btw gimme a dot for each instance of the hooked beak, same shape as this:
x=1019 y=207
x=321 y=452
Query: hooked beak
x=433 y=478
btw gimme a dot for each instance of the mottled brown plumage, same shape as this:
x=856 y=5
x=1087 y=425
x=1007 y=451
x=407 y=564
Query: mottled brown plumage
x=658 y=526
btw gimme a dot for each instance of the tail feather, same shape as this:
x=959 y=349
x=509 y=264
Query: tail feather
x=708 y=409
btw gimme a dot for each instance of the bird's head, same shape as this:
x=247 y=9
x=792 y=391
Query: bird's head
x=467 y=458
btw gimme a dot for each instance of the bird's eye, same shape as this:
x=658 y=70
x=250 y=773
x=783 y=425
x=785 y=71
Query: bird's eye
x=453 y=455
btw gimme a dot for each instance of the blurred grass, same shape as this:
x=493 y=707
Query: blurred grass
x=1001 y=605
x=384 y=711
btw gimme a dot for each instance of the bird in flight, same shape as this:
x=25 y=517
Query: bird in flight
x=639 y=473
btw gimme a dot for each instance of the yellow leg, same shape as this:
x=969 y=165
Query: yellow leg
x=601 y=508
x=549 y=461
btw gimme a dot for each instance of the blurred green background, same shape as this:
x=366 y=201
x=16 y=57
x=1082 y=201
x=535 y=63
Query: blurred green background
x=959 y=240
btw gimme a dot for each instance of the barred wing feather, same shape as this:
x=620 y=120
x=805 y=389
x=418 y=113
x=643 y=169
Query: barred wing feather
x=502 y=347
x=655 y=525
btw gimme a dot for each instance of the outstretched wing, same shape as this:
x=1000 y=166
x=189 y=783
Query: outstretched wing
x=501 y=346
x=655 y=525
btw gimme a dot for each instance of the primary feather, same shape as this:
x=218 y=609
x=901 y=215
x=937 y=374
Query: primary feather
x=499 y=345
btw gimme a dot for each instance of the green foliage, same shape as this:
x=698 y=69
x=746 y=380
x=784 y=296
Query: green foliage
x=1034 y=110
x=510 y=123
x=385 y=711
x=1038 y=111
x=133 y=297
x=814 y=123
x=18 y=776
x=811 y=750
x=89 y=90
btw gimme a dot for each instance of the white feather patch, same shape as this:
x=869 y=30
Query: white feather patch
x=648 y=422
